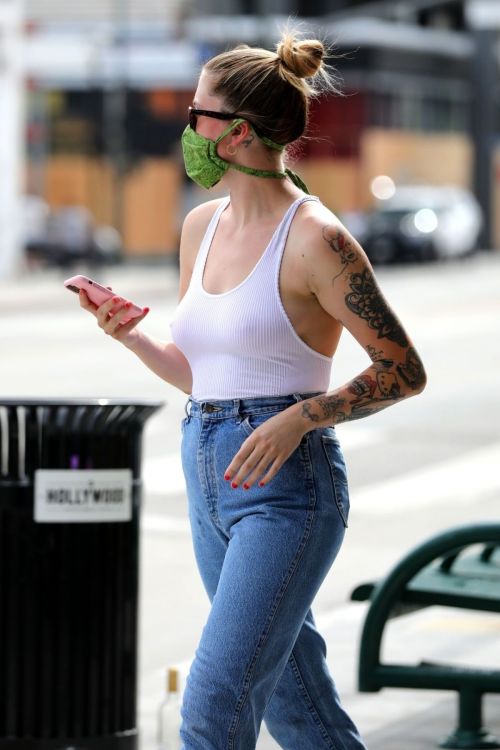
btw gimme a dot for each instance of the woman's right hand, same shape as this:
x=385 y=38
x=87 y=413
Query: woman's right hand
x=110 y=315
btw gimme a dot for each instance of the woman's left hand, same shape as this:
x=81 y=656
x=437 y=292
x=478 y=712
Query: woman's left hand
x=265 y=451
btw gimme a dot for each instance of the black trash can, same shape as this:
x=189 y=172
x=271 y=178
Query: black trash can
x=70 y=495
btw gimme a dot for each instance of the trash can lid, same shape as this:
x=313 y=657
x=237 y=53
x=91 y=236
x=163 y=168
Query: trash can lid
x=102 y=401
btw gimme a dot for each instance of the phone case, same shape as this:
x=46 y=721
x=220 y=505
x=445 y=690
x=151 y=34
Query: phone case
x=97 y=293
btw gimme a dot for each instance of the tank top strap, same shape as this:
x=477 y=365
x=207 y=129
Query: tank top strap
x=280 y=238
x=201 y=257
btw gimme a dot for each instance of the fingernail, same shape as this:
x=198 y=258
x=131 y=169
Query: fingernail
x=234 y=485
x=145 y=309
x=227 y=476
x=115 y=299
x=246 y=486
x=261 y=484
x=128 y=305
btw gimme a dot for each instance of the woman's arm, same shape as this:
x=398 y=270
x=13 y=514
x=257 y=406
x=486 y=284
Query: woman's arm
x=164 y=359
x=340 y=276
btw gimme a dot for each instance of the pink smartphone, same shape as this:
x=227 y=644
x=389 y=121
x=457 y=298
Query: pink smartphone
x=97 y=293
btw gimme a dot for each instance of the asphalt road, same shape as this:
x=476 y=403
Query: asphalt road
x=415 y=469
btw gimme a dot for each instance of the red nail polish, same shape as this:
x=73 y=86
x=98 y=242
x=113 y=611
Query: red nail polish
x=234 y=485
x=145 y=309
x=246 y=486
x=261 y=484
x=227 y=476
x=128 y=305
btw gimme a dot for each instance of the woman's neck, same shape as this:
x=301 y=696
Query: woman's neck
x=253 y=198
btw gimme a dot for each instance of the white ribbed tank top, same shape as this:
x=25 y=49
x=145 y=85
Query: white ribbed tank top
x=241 y=343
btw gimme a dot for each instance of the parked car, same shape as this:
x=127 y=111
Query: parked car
x=66 y=235
x=422 y=222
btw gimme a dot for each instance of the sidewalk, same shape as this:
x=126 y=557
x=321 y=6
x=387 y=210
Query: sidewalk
x=404 y=719
x=392 y=719
x=414 y=471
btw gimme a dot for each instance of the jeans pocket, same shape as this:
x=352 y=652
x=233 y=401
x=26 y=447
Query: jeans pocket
x=250 y=422
x=338 y=473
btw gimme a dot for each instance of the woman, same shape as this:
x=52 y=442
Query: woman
x=269 y=278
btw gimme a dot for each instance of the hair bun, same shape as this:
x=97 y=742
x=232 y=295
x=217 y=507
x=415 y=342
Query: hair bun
x=303 y=58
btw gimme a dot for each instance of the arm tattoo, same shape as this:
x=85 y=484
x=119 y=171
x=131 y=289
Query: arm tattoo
x=369 y=392
x=366 y=300
x=341 y=245
x=412 y=370
x=363 y=411
x=308 y=414
x=362 y=387
x=373 y=353
x=371 y=395
x=330 y=408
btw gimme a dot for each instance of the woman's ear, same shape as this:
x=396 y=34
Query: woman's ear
x=242 y=135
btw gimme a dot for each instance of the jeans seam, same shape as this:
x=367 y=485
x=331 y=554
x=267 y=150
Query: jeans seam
x=274 y=608
x=338 y=503
x=310 y=703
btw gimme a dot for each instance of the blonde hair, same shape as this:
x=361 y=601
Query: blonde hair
x=273 y=89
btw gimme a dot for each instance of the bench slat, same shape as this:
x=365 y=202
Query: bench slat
x=433 y=587
x=436 y=677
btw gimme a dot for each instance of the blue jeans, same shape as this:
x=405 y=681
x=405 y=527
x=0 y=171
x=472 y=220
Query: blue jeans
x=263 y=554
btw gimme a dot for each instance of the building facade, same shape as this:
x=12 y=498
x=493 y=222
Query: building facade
x=110 y=82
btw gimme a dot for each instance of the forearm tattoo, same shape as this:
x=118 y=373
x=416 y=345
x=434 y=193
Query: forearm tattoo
x=370 y=392
x=412 y=371
x=324 y=407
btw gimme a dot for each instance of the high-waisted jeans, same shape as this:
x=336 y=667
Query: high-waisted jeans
x=263 y=554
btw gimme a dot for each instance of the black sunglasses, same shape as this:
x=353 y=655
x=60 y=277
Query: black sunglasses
x=195 y=113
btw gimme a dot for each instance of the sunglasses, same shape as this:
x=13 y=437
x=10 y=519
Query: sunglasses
x=194 y=113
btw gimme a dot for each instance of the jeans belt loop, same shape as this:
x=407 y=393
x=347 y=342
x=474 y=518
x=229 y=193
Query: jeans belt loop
x=238 y=407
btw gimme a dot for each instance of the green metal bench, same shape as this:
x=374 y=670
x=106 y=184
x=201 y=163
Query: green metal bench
x=442 y=571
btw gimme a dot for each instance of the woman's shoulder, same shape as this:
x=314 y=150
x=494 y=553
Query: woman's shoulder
x=315 y=233
x=199 y=216
x=194 y=227
x=314 y=211
x=312 y=219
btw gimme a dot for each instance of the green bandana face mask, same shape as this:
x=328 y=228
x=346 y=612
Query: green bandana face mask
x=205 y=167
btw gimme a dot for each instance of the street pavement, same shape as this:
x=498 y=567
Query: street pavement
x=416 y=469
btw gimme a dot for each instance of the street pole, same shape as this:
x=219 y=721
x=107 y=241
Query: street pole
x=484 y=20
x=115 y=111
x=11 y=136
x=483 y=122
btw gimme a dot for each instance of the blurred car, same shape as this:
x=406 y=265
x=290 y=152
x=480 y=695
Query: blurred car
x=66 y=235
x=422 y=222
